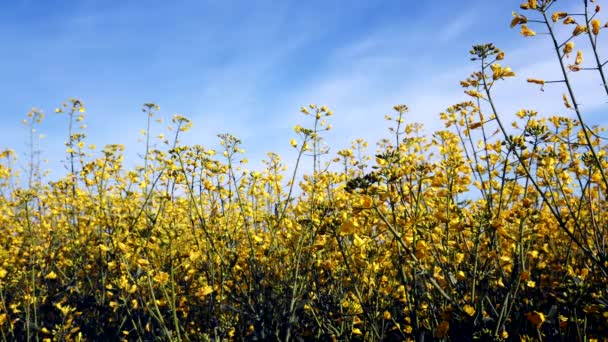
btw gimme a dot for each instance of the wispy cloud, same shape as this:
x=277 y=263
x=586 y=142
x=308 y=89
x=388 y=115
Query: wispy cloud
x=246 y=68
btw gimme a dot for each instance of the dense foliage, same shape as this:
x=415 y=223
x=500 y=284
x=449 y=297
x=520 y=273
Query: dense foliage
x=482 y=230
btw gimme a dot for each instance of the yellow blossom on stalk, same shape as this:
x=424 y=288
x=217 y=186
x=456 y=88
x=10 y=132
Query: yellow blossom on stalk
x=469 y=310
x=358 y=241
x=499 y=72
x=293 y=143
x=526 y=32
x=568 y=47
x=518 y=19
x=258 y=239
x=566 y=102
x=475 y=125
x=143 y=262
x=366 y=202
x=504 y=334
x=536 y=318
x=422 y=249
x=595 y=26
x=348 y=227
x=558 y=15
x=474 y=93
x=579 y=29
x=579 y=57
x=161 y=277
x=204 y=291
x=532 y=4
x=65 y=310
x=536 y=81
x=569 y=20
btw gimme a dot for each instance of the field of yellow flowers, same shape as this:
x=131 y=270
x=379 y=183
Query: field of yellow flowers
x=485 y=230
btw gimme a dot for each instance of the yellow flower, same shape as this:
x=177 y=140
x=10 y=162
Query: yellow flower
x=204 y=291
x=504 y=335
x=526 y=32
x=161 y=278
x=499 y=72
x=51 y=276
x=366 y=202
x=595 y=26
x=566 y=102
x=500 y=56
x=474 y=93
x=579 y=57
x=469 y=310
x=518 y=19
x=143 y=262
x=536 y=81
x=568 y=47
x=569 y=20
x=558 y=15
x=579 y=29
x=536 y=318
x=65 y=310
x=348 y=227
x=293 y=143
x=358 y=241
x=422 y=249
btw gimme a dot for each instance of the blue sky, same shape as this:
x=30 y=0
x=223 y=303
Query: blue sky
x=245 y=67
